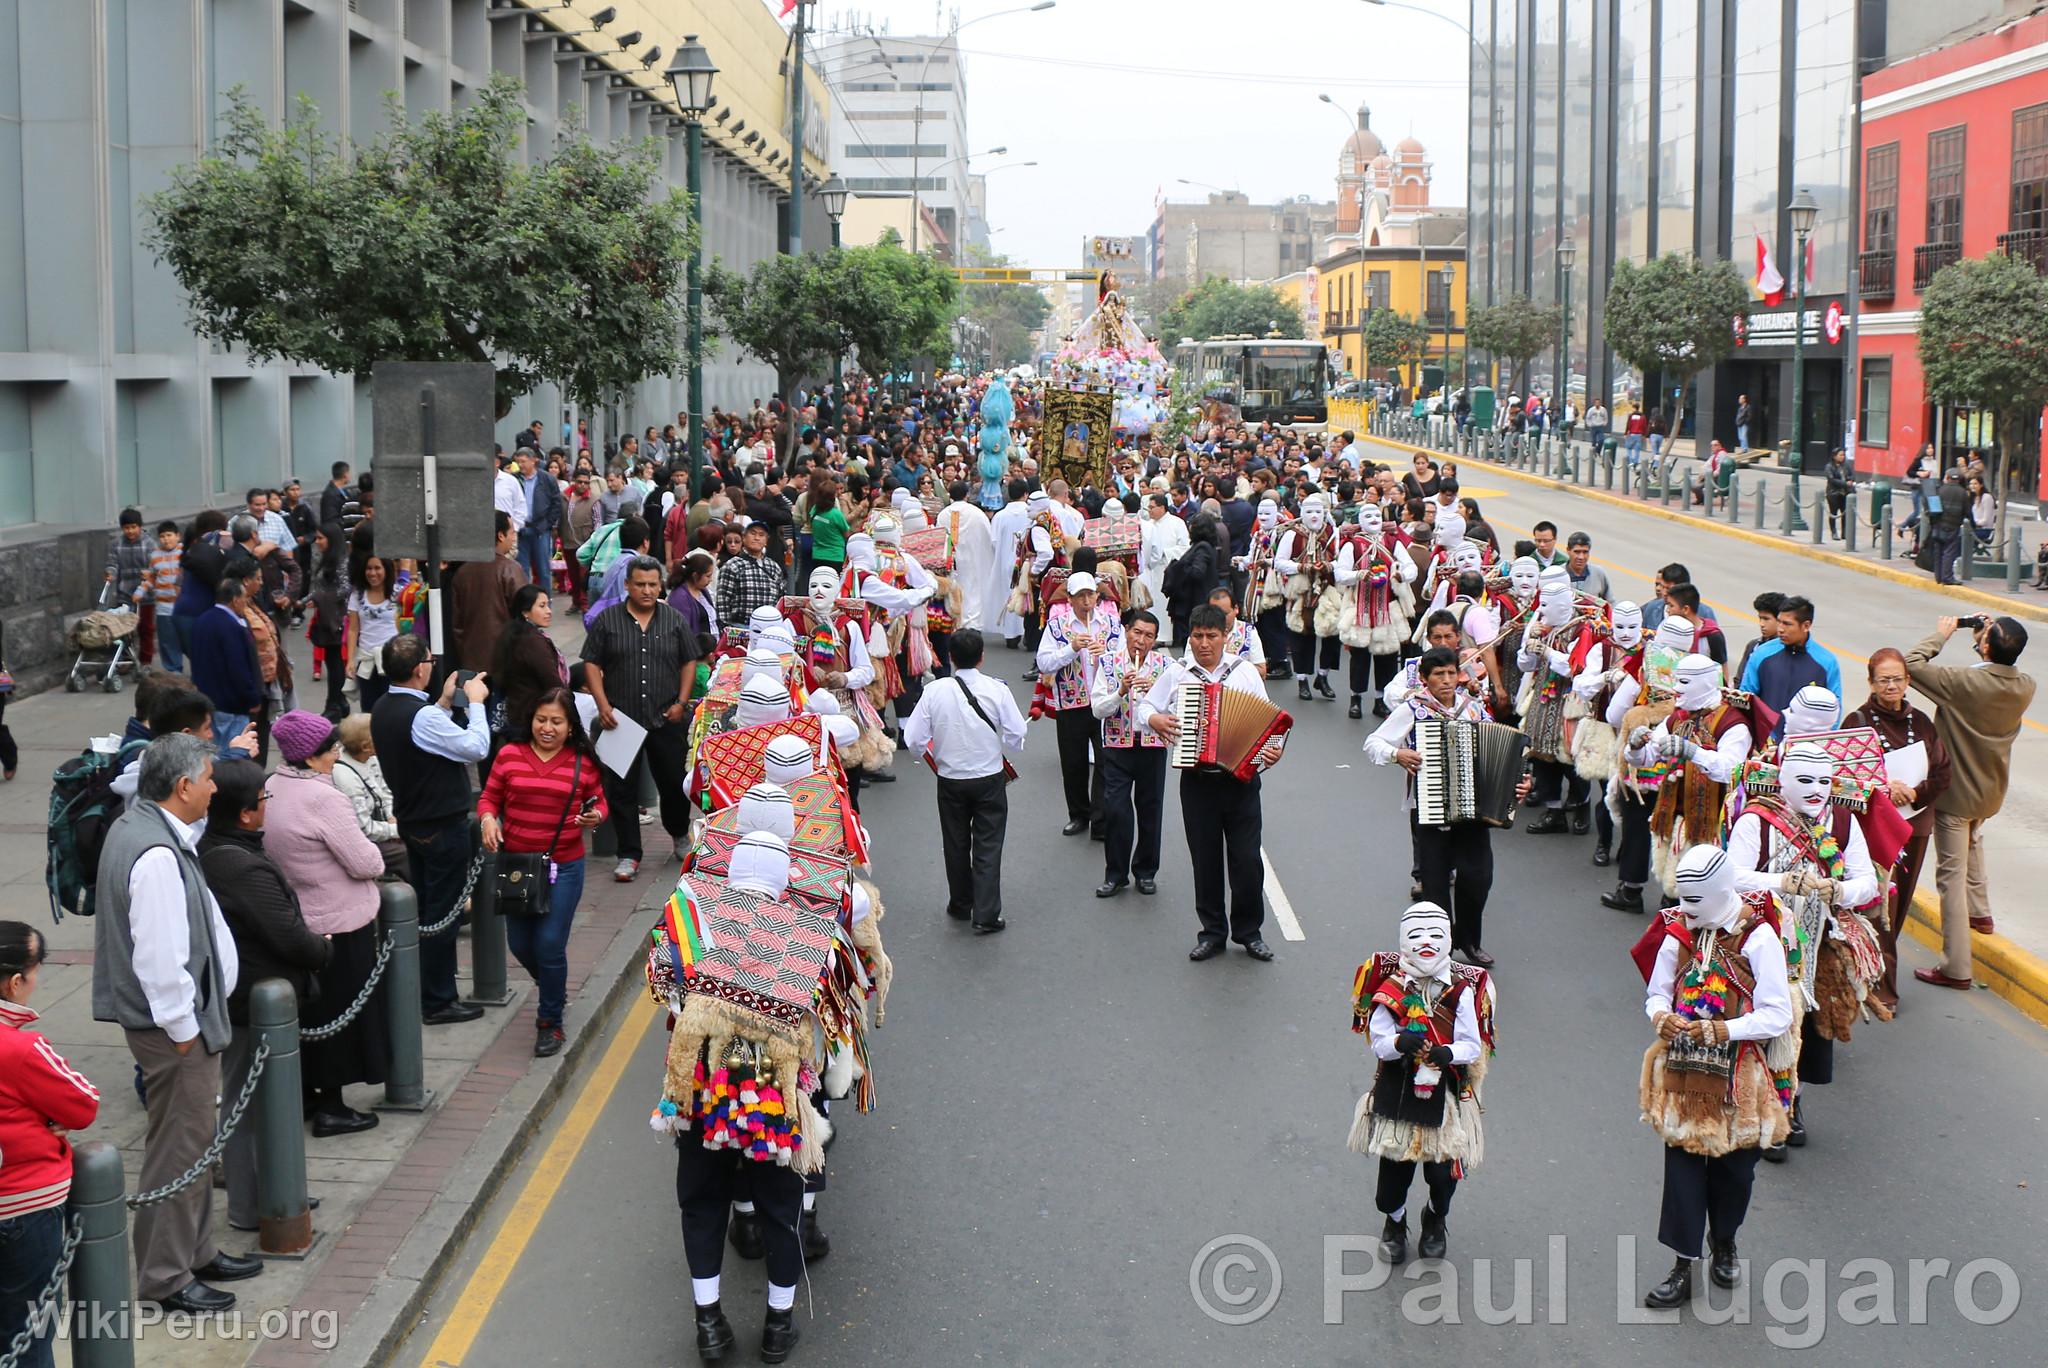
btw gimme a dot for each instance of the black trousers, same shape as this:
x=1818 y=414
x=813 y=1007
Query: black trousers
x=438 y=856
x=913 y=687
x=1308 y=649
x=1034 y=630
x=1457 y=874
x=1603 y=820
x=705 y=1181
x=1080 y=739
x=1398 y=1175
x=1702 y=1195
x=1633 y=858
x=1556 y=784
x=1224 y=825
x=666 y=752
x=1373 y=672
x=1816 y=1054
x=1133 y=803
x=1271 y=626
x=1180 y=625
x=973 y=814
x=942 y=658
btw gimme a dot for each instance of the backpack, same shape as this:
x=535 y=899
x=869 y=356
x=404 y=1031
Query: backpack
x=83 y=805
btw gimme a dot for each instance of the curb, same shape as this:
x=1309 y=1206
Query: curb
x=393 y=1307
x=2016 y=605
x=2001 y=965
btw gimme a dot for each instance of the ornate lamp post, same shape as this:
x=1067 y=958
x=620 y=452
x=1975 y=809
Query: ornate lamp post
x=1803 y=212
x=833 y=192
x=691 y=74
x=1567 y=256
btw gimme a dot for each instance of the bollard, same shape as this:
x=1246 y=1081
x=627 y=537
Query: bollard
x=100 y=1331
x=1849 y=527
x=1884 y=538
x=1664 y=486
x=487 y=944
x=1734 y=496
x=2013 y=564
x=1966 y=563
x=398 y=912
x=1820 y=515
x=1763 y=499
x=284 y=1221
x=1787 y=508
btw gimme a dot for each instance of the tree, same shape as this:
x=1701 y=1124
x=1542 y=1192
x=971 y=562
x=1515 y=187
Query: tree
x=1514 y=330
x=789 y=312
x=899 y=306
x=1219 y=307
x=1394 y=339
x=1008 y=314
x=1984 y=341
x=1675 y=315
x=435 y=242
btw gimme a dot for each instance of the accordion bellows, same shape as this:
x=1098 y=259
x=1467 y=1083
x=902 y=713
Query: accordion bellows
x=1224 y=727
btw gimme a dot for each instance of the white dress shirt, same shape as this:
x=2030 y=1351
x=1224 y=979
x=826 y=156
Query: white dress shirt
x=1770 y=1005
x=509 y=494
x=1718 y=763
x=1232 y=672
x=434 y=730
x=1746 y=850
x=961 y=744
x=163 y=938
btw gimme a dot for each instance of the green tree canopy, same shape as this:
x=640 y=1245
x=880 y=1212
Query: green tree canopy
x=1984 y=341
x=789 y=312
x=1675 y=315
x=1219 y=307
x=435 y=242
x=1394 y=339
x=898 y=306
x=1514 y=330
x=1010 y=314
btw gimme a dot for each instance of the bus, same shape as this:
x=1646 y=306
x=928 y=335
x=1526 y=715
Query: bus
x=1253 y=380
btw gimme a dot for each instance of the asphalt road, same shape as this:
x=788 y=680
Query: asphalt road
x=1071 y=1111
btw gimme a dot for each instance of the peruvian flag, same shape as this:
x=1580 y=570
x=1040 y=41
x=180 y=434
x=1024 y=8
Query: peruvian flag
x=1806 y=265
x=787 y=6
x=1768 y=282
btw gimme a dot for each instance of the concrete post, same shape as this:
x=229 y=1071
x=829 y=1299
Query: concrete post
x=284 y=1221
x=1849 y=526
x=102 y=1334
x=398 y=912
x=1966 y=562
x=1884 y=538
x=1734 y=495
x=487 y=944
x=2014 y=566
x=1820 y=514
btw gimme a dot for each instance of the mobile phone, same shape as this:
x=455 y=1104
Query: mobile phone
x=590 y=804
x=1972 y=623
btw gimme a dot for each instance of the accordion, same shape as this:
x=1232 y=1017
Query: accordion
x=1469 y=771
x=1223 y=727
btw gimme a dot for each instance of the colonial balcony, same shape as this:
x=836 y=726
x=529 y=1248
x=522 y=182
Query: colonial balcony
x=1875 y=274
x=2029 y=244
x=1929 y=258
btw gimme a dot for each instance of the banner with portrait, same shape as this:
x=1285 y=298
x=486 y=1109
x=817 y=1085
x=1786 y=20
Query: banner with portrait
x=1075 y=435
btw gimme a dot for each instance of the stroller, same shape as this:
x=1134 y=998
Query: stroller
x=101 y=638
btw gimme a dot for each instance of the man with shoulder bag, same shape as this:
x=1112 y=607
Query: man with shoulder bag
x=967 y=733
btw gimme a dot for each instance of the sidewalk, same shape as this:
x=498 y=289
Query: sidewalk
x=1862 y=604
x=395 y=1201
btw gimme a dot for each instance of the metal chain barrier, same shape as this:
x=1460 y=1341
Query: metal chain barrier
x=50 y=1302
x=314 y=1034
x=476 y=867
x=206 y=1161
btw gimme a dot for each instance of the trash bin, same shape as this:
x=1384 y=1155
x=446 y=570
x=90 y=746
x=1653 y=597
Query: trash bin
x=1880 y=500
x=1482 y=407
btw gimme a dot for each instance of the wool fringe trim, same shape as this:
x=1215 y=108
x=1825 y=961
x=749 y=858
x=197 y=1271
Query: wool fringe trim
x=1461 y=1136
x=1329 y=617
x=867 y=937
x=1595 y=749
x=1711 y=1123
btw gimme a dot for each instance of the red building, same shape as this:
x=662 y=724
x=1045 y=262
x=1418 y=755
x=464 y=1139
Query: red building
x=1955 y=164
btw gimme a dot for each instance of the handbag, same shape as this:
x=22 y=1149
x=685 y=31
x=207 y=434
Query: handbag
x=525 y=881
x=6 y=681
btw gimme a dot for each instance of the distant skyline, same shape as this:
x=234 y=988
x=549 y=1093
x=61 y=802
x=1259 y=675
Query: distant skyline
x=1117 y=100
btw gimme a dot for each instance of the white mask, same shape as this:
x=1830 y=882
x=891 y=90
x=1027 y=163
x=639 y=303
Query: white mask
x=886 y=531
x=1426 y=941
x=760 y=864
x=763 y=619
x=761 y=700
x=1806 y=779
x=1699 y=683
x=1314 y=513
x=1708 y=895
x=860 y=551
x=767 y=807
x=1523 y=576
x=1269 y=514
x=1554 y=596
x=1627 y=625
x=787 y=760
x=1813 y=709
x=824 y=590
x=1369 y=520
x=1467 y=556
x=1450 y=528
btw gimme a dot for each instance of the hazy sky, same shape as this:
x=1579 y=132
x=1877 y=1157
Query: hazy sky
x=1116 y=99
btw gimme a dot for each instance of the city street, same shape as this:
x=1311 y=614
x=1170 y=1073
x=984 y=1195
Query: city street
x=1070 y=1111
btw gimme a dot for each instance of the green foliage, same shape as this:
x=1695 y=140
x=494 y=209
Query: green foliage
x=436 y=242
x=1219 y=307
x=1675 y=315
x=898 y=306
x=1984 y=341
x=1393 y=339
x=1515 y=329
x=1009 y=314
x=788 y=312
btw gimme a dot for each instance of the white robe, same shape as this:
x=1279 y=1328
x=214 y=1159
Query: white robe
x=1006 y=529
x=973 y=560
x=1165 y=541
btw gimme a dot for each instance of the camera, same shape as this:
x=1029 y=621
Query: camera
x=1973 y=622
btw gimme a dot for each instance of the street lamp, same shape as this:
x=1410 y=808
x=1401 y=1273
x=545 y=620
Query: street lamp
x=1567 y=254
x=833 y=193
x=1450 y=279
x=1803 y=212
x=917 y=117
x=691 y=75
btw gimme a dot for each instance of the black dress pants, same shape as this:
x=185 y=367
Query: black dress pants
x=1633 y=858
x=1554 y=783
x=1702 y=1195
x=1371 y=672
x=1457 y=874
x=1603 y=820
x=973 y=815
x=1133 y=803
x=1271 y=626
x=1398 y=1175
x=705 y=1190
x=438 y=856
x=666 y=753
x=1224 y=825
x=1080 y=737
x=913 y=688
x=1034 y=630
x=1311 y=651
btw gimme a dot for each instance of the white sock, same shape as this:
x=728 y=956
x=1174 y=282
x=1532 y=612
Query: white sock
x=810 y=1201
x=1300 y=677
x=747 y=1207
x=781 y=1298
x=1398 y=1214
x=704 y=1290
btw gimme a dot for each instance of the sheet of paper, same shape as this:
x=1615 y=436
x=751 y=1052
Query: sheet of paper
x=1907 y=765
x=616 y=748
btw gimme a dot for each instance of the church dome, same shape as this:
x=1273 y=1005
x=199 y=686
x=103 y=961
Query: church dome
x=1361 y=147
x=1408 y=146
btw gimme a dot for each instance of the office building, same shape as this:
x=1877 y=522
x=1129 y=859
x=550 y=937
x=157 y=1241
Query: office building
x=899 y=133
x=1227 y=235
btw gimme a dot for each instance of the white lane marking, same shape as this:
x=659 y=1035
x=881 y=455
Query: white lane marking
x=1283 y=910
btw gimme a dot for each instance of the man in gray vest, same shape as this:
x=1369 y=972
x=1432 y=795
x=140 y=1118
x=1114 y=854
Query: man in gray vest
x=163 y=966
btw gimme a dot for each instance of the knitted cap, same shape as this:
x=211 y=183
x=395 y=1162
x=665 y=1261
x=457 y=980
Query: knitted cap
x=301 y=735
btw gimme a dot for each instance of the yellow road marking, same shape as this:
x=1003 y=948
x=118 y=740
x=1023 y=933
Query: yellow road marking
x=473 y=1306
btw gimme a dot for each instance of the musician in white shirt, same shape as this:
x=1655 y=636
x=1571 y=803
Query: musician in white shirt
x=1080 y=635
x=968 y=749
x=1220 y=812
x=1454 y=861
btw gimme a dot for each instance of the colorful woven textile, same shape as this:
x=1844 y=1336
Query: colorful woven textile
x=733 y=760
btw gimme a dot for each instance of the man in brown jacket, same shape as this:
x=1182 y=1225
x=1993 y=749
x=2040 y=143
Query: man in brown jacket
x=481 y=594
x=1978 y=710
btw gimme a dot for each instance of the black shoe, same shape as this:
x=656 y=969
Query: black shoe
x=454 y=1012
x=1301 y=690
x=1477 y=954
x=714 y=1333
x=1675 y=1290
x=816 y=1244
x=1147 y=886
x=1075 y=827
x=1323 y=688
x=1205 y=949
x=1623 y=899
x=347 y=1121
x=547 y=1039
x=989 y=928
x=1380 y=708
x=877 y=777
x=779 y=1335
x=1097 y=834
x=743 y=1233
x=1602 y=856
x=1259 y=950
x=1356 y=710
x=197 y=1299
x=1797 y=1139
x=1582 y=821
x=1030 y=676
x=1776 y=1154
x=1109 y=888
x=1722 y=1264
x=958 y=916
x=226 y=1267
x=1415 y=890
x=1434 y=1237
x=1394 y=1242
x=1549 y=824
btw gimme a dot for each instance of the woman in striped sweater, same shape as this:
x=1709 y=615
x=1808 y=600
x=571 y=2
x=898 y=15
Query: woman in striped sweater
x=543 y=794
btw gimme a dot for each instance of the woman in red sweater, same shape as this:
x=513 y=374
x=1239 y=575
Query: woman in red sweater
x=544 y=793
x=41 y=1099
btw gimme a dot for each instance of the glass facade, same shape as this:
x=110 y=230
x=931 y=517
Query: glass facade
x=1823 y=133
x=1634 y=66
x=1542 y=161
x=1678 y=111
x=1577 y=160
x=1479 y=181
x=1507 y=182
x=1753 y=198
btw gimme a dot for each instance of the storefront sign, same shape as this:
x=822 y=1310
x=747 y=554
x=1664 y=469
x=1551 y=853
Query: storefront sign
x=1773 y=327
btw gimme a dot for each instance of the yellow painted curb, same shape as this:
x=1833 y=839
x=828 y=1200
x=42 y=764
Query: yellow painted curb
x=2015 y=974
x=2022 y=607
